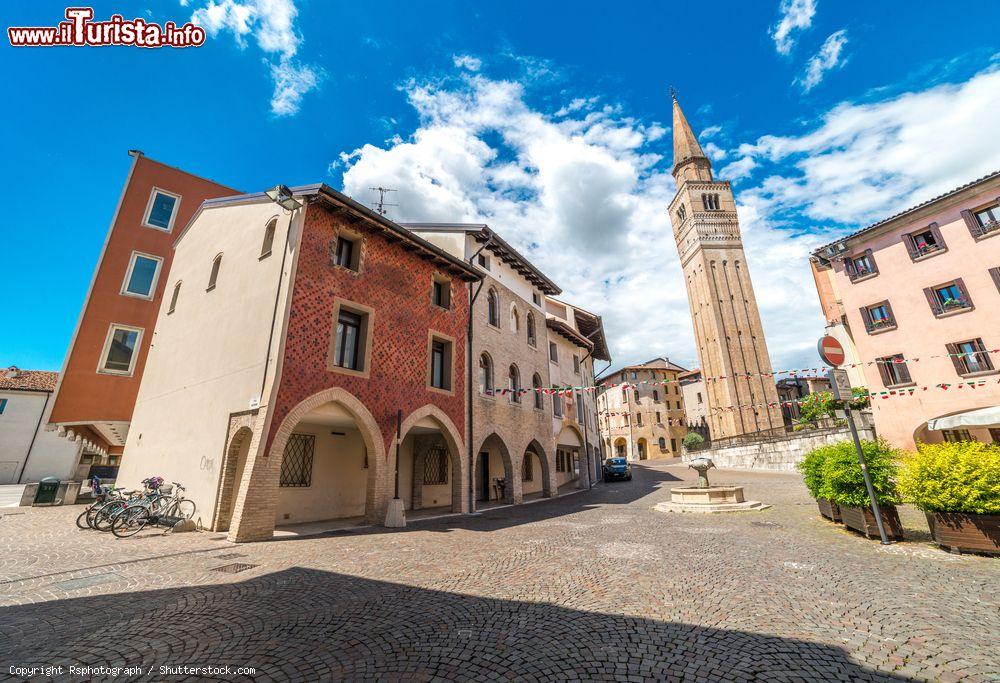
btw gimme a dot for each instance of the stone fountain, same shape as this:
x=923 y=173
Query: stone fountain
x=707 y=498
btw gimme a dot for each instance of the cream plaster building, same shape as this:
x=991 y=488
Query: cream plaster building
x=727 y=326
x=647 y=419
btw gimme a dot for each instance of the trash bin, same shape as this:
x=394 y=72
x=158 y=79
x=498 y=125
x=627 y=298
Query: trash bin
x=47 y=490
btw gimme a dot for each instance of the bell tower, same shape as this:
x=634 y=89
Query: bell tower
x=727 y=326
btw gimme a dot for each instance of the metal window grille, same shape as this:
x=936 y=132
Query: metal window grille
x=297 y=463
x=436 y=466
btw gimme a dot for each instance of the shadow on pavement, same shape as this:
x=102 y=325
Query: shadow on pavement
x=304 y=624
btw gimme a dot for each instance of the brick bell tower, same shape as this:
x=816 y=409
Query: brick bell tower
x=727 y=325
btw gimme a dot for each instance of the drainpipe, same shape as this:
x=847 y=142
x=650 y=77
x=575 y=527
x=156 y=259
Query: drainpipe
x=468 y=372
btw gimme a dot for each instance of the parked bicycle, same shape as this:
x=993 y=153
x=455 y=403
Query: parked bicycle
x=105 y=516
x=168 y=502
x=102 y=495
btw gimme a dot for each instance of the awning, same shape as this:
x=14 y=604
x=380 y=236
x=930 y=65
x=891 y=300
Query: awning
x=983 y=417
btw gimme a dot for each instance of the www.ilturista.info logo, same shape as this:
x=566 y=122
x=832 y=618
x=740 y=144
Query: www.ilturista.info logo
x=79 y=29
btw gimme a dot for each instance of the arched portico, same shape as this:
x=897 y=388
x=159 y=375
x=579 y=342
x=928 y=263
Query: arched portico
x=326 y=461
x=431 y=474
x=536 y=475
x=570 y=454
x=493 y=464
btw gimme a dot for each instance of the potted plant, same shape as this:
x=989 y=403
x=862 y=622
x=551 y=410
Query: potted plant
x=957 y=485
x=844 y=484
x=812 y=475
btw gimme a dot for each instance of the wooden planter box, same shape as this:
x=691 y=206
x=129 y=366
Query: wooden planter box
x=829 y=509
x=862 y=519
x=965 y=532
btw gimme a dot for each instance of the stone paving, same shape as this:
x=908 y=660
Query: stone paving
x=594 y=585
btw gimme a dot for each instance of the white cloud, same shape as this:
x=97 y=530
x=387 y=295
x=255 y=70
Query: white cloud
x=467 y=62
x=272 y=25
x=826 y=59
x=709 y=132
x=796 y=15
x=714 y=152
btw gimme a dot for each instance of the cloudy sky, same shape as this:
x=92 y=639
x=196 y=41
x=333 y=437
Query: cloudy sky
x=553 y=126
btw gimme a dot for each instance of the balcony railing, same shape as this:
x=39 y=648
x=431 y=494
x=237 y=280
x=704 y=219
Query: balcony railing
x=924 y=250
x=951 y=305
x=880 y=325
x=859 y=272
x=988 y=229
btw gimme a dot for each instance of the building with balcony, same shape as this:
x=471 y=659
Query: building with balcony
x=913 y=298
x=643 y=416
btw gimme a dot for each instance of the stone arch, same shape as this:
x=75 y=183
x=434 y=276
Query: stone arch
x=642 y=448
x=256 y=522
x=452 y=440
x=620 y=447
x=543 y=459
x=513 y=491
x=230 y=476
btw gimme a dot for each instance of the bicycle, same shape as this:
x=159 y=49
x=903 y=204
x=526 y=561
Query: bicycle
x=102 y=495
x=178 y=506
x=106 y=515
x=164 y=502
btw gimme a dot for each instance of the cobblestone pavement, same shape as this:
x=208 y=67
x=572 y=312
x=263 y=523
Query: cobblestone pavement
x=590 y=585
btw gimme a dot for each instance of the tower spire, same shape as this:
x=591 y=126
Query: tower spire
x=690 y=162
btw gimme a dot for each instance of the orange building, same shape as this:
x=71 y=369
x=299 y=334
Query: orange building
x=103 y=367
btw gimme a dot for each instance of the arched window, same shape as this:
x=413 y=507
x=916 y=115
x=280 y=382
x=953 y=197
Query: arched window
x=536 y=382
x=663 y=444
x=486 y=375
x=214 y=277
x=493 y=308
x=530 y=324
x=265 y=247
x=656 y=395
x=173 y=297
x=515 y=321
x=514 y=384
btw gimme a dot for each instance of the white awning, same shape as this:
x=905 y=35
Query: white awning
x=983 y=417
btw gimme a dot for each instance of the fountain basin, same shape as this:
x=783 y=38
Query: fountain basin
x=709 y=499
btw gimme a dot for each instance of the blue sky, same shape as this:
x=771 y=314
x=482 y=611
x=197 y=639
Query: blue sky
x=550 y=123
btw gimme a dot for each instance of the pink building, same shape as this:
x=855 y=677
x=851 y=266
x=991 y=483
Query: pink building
x=916 y=298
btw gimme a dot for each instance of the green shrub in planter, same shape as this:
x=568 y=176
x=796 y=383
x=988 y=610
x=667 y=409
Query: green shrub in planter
x=953 y=477
x=693 y=439
x=843 y=482
x=811 y=468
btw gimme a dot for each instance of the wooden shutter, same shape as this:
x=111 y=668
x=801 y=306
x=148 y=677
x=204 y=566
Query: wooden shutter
x=903 y=370
x=931 y=299
x=971 y=223
x=960 y=283
x=956 y=361
x=911 y=248
x=871 y=260
x=984 y=357
x=883 y=371
x=936 y=231
x=866 y=317
x=849 y=266
x=995 y=274
x=888 y=310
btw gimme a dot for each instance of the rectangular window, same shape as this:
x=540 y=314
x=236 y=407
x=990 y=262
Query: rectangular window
x=441 y=292
x=948 y=298
x=439 y=370
x=638 y=419
x=120 y=350
x=861 y=267
x=659 y=419
x=699 y=397
x=557 y=405
x=161 y=210
x=970 y=357
x=140 y=278
x=3 y=405
x=893 y=370
x=297 y=462
x=348 y=340
x=955 y=435
x=673 y=444
x=579 y=409
x=988 y=220
x=878 y=317
x=924 y=242
x=484 y=261
x=536 y=298
x=576 y=364
x=553 y=352
x=346 y=254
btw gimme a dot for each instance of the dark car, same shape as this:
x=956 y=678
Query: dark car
x=616 y=468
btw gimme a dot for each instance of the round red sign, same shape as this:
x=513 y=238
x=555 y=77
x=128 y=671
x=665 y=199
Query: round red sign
x=831 y=351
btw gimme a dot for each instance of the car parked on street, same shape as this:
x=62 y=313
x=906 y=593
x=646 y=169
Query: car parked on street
x=616 y=468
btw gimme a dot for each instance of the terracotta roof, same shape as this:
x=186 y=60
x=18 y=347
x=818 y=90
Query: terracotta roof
x=689 y=373
x=13 y=379
x=569 y=333
x=659 y=363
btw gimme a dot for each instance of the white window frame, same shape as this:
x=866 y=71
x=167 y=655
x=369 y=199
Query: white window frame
x=103 y=360
x=131 y=267
x=149 y=209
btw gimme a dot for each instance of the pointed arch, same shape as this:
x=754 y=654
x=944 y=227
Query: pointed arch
x=508 y=463
x=493 y=307
x=453 y=440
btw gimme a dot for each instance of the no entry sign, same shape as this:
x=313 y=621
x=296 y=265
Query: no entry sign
x=831 y=351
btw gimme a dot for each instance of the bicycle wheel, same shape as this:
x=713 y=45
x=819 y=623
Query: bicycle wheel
x=182 y=508
x=130 y=521
x=92 y=513
x=106 y=515
x=81 y=520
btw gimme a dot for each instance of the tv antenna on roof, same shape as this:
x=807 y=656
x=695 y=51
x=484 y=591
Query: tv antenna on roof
x=381 y=203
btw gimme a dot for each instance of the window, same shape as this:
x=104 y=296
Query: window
x=995 y=274
x=658 y=418
x=173 y=298
x=140 y=278
x=681 y=213
x=486 y=375
x=970 y=357
x=893 y=370
x=678 y=405
x=347 y=252
x=663 y=444
x=557 y=405
x=948 y=298
x=699 y=398
x=954 y=435
x=878 y=317
x=536 y=383
x=265 y=247
x=579 y=408
x=515 y=321
x=924 y=242
x=994 y=434
x=711 y=202
x=348 y=345
x=297 y=462
x=514 y=384
x=436 y=465
x=439 y=375
x=441 y=292
x=861 y=267
x=560 y=461
x=984 y=222
x=119 y=355
x=484 y=261
x=527 y=468
x=161 y=210
x=213 y=277
x=656 y=395
x=3 y=405
x=576 y=364
x=493 y=308
x=536 y=298
x=530 y=324
x=673 y=444
x=553 y=352
x=620 y=449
